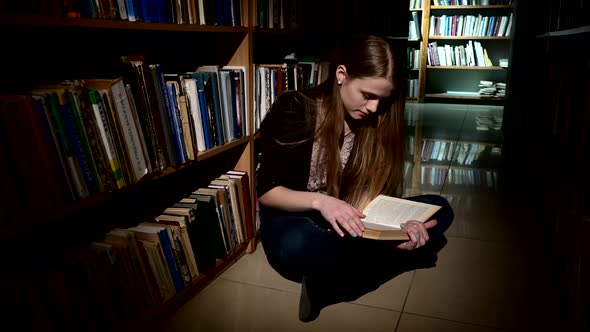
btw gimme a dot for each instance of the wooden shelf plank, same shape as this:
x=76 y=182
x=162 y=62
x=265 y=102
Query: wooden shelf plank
x=457 y=96
x=32 y=20
x=220 y=149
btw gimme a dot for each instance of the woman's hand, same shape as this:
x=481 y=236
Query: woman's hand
x=416 y=230
x=341 y=215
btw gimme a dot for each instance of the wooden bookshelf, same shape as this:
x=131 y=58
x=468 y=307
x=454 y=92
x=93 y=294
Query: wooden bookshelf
x=48 y=48
x=499 y=47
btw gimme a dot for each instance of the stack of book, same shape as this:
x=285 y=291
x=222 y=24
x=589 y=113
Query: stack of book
x=491 y=89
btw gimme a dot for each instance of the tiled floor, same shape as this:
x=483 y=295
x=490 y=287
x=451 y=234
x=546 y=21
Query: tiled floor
x=489 y=277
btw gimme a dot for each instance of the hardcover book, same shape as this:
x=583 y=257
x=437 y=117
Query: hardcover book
x=385 y=214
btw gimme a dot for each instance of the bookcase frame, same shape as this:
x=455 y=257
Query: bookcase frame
x=425 y=70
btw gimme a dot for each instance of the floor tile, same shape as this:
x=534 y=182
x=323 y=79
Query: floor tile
x=476 y=282
x=254 y=269
x=229 y=306
x=390 y=295
x=480 y=216
x=415 y=323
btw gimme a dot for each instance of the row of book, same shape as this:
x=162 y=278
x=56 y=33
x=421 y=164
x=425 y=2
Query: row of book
x=203 y=12
x=470 y=25
x=416 y=4
x=278 y=14
x=470 y=2
x=413 y=58
x=414 y=27
x=471 y=54
x=114 y=280
x=273 y=79
x=468 y=154
x=438 y=176
x=99 y=135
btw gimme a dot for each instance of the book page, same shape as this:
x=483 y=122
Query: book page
x=388 y=212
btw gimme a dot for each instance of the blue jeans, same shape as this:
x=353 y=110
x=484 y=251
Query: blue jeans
x=298 y=246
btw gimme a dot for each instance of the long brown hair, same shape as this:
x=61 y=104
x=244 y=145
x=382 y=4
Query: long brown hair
x=376 y=160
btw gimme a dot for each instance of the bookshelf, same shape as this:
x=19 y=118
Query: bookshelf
x=39 y=232
x=442 y=89
x=457 y=81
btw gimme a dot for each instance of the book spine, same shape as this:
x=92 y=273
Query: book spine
x=161 y=97
x=74 y=140
x=130 y=133
x=107 y=137
x=170 y=261
x=97 y=149
x=176 y=129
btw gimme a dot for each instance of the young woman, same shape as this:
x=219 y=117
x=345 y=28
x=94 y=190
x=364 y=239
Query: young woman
x=325 y=153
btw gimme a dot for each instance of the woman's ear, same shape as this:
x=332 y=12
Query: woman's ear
x=341 y=74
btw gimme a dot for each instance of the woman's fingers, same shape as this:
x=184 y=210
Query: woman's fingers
x=336 y=227
x=350 y=225
x=342 y=216
x=417 y=232
x=430 y=223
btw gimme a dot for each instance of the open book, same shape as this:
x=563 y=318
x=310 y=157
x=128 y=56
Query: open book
x=384 y=214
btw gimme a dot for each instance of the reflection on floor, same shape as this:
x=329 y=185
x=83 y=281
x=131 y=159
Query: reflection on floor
x=489 y=277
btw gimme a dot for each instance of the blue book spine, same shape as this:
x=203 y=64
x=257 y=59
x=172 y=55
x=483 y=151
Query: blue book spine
x=169 y=255
x=87 y=9
x=203 y=108
x=178 y=146
x=220 y=12
x=163 y=12
x=74 y=140
x=130 y=10
x=217 y=108
x=491 y=26
x=138 y=5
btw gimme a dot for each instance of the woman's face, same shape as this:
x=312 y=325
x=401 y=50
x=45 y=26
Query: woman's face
x=361 y=96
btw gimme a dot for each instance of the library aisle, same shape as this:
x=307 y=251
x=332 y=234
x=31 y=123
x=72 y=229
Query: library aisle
x=489 y=277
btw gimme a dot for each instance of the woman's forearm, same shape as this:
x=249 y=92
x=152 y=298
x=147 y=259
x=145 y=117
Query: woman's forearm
x=291 y=200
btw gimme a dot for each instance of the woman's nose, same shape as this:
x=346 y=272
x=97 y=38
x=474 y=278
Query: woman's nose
x=372 y=105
